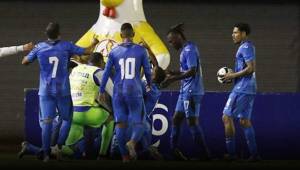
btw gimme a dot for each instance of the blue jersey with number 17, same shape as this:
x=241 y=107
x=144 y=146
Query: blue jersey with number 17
x=54 y=57
x=127 y=59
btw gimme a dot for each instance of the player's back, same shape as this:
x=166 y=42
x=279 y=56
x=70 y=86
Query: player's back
x=54 y=57
x=128 y=58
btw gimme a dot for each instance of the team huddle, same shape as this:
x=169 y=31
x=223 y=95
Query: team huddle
x=88 y=105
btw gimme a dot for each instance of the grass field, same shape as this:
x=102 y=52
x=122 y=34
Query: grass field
x=11 y=161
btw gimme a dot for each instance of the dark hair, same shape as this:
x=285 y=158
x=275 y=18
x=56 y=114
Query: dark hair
x=126 y=26
x=161 y=75
x=243 y=27
x=127 y=30
x=52 y=30
x=177 y=29
x=95 y=57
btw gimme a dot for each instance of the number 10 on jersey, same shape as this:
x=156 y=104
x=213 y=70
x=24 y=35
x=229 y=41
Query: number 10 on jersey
x=127 y=68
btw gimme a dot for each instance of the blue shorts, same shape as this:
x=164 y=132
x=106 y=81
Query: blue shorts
x=49 y=104
x=239 y=105
x=128 y=109
x=189 y=104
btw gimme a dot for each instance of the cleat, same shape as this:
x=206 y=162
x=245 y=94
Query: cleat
x=254 y=158
x=23 y=149
x=131 y=148
x=58 y=153
x=126 y=159
x=46 y=158
x=230 y=158
x=179 y=155
x=155 y=153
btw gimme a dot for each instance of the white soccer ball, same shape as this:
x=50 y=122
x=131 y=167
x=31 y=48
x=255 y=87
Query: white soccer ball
x=221 y=72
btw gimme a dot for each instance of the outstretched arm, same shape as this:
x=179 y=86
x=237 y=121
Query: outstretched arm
x=6 y=51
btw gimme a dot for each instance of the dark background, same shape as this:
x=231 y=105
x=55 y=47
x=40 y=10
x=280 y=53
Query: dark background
x=275 y=32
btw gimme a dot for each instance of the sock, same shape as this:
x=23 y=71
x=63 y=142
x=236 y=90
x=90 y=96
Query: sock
x=106 y=135
x=121 y=138
x=250 y=138
x=175 y=136
x=230 y=145
x=199 y=139
x=46 y=135
x=64 y=132
x=137 y=132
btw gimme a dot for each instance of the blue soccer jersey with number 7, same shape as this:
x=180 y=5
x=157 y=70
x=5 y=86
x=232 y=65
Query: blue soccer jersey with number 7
x=54 y=57
x=127 y=60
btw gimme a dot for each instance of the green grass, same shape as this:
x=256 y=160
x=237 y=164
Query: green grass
x=11 y=161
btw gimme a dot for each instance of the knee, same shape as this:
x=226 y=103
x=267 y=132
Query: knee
x=177 y=118
x=192 y=121
x=47 y=121
x=121 y=125
x=226 y=119
x=245 y=123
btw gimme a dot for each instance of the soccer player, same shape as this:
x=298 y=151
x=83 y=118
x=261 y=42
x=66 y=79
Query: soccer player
x=128 y=59
x=6 y=51
x=241 y=99
x=191 y=90
x=54 y=90
x=85 y=81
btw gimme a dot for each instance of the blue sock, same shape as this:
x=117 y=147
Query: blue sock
x=250 y=138
x=32 y=149
x=64 y=132
x=230 y=145
x=121 y=138
x=175 y=136
x=137 y=132
x=79 y=149
x=199 y=139
x=46 y=136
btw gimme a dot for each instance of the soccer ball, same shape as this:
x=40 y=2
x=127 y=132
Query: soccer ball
x=221 y=72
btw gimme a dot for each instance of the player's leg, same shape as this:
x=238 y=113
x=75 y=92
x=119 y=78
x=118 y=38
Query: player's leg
x=29 y=149
x=228 y=115
x=48 y=110
x=245 y=109
x=192 y=111
x=176 y=128
x=121 y=117
x=136 y=111
x=65 y=109
x=106 y=136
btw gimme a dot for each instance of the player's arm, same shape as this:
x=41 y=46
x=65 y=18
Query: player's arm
x=105 y=77
x=30 y=57
x=6 y=51
x=147 y=69
x=90 y=49
x=248 y=53
x=151 y=54
x=249 y=69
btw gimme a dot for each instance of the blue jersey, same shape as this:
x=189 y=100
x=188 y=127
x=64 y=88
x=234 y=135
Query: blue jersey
x=54 y=57
x=151 y=97
x=190 y=57
x=127 y=60
x=245 y=84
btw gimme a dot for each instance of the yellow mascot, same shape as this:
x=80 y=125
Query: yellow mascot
x=113 y=13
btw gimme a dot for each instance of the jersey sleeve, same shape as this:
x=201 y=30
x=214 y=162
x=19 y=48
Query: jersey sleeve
x=248 y=53
x=5 y=51
x=98 y=77
x=76 y=50
x=147 y=67
x=106 y=73
x=191 y=57
x=33 y=54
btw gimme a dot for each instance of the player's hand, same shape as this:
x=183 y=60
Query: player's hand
x=148 y=88
x=28 y=46
x=102 y=98
x=228 y=76
x=95 y=40
x=168 y=80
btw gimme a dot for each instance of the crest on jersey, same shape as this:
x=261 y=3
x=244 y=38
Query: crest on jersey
x=105 y=46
